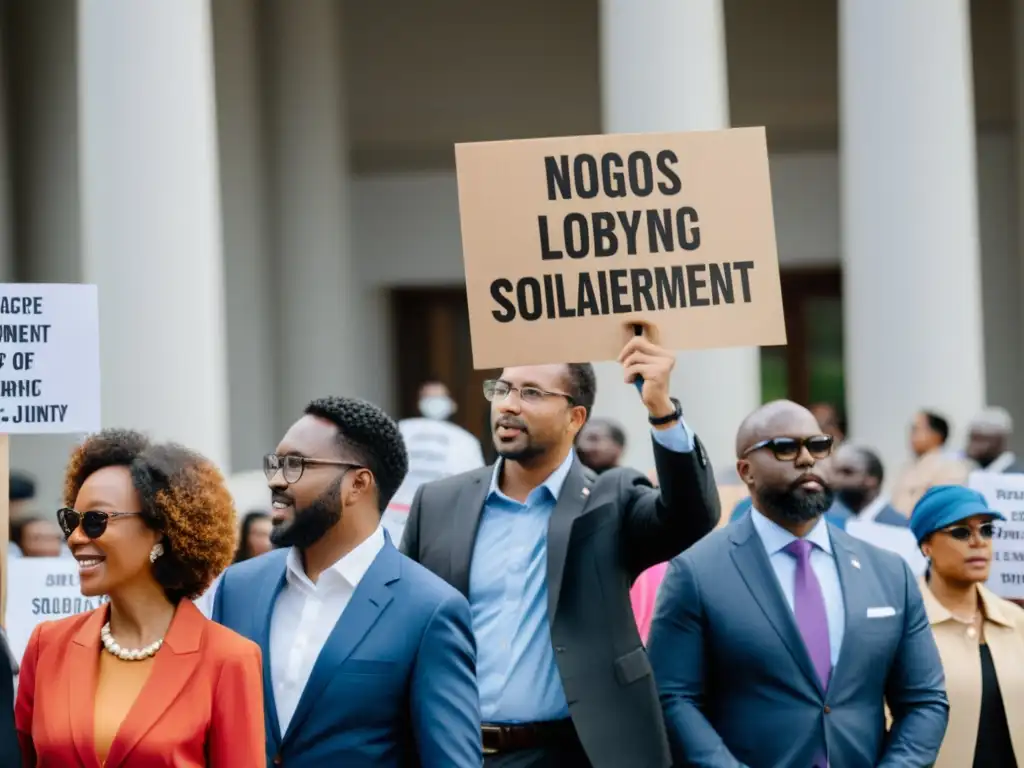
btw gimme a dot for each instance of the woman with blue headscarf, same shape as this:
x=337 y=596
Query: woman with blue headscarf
x=980 y=636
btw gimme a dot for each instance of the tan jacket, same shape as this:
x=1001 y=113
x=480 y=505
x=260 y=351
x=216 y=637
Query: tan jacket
x=961 y=661
x=933 y=468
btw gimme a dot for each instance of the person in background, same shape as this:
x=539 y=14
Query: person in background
x=988 y=442
x=600 y=445
x=980 y=636
x=830 y=421
x=37 y=536
x=371 y=658
x=857 y=477
x=254 y=538
x=930 y=466
x=437 y=448
x=146 y=680
x=21 y=500
x=778 y=638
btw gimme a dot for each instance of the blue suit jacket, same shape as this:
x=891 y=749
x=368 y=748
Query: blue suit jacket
x=395 y=684
x=737 y=684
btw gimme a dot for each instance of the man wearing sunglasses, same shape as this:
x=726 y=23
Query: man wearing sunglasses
x=369 y=658
x=546 y=552
x=779 y=639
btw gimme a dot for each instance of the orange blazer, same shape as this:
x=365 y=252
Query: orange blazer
x=202 y=706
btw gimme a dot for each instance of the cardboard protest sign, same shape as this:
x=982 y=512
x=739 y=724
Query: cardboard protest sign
x=49 y=372
x=568 y=240
x=48 y=589
x=1005 y=493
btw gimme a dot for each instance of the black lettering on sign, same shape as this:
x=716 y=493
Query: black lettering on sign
x=21 y=388
x=34 y=414
x=621 y=291
x=21 y=305
x=585 y=176
x=604 y=233
x=24 y=333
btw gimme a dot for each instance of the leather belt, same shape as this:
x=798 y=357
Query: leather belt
x=514 y=737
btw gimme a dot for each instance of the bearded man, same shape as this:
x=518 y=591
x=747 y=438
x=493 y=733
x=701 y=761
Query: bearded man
x=368 y=658
x=778 y=640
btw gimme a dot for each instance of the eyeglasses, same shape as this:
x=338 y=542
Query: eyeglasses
x=496 y=389
x=788 y=448
x=963 y=532
x=94 y=523
x=291 y=467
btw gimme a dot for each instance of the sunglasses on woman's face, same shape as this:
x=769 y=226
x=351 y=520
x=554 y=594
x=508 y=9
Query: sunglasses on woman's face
x=963 y=532
x=93 y=523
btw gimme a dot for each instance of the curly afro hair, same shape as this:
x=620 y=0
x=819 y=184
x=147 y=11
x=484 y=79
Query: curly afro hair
x=183 y=496
x=371 y=437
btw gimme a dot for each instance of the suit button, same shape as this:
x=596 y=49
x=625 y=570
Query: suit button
x=559 y=649
x=278 y=760
x=827 y=710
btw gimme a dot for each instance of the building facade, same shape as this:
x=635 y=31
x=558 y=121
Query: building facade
x=265 y=194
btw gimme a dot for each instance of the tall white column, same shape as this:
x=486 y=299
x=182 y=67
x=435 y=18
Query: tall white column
x=250 y=304
x=912 y=295
x=151 y=217
x=663 y=68
x=319 y=343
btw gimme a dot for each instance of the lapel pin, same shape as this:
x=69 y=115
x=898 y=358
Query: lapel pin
x=855 y=562
x=586 y=492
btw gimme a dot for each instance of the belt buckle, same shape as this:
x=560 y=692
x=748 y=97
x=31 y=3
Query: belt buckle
x=485 y=729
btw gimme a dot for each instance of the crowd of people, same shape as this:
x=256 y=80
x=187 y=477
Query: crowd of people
x=509 y=625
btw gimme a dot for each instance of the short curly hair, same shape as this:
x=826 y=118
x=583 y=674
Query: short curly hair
x=581 y=382
x=371 y=437
x=183 y=496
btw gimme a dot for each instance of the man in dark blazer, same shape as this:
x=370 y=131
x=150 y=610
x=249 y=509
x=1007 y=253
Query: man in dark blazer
x=778 y=640
x=546 y=552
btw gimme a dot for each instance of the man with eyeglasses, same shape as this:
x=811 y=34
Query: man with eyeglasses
x=546 y=551
x=368 y=658
x=779 y=639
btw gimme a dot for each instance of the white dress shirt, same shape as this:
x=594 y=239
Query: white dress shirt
x=304 y=617
x=775 y=539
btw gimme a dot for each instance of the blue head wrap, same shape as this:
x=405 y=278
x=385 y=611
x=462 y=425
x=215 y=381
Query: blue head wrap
x=943 y=505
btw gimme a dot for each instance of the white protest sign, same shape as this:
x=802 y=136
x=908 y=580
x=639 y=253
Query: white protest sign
x=893 y=538
x=47 y=590
x=1005 y=493
x=49 y=359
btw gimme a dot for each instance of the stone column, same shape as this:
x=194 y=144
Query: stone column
x=316 y=284
x=664 y=69
x=912 y=296
x=151 y=217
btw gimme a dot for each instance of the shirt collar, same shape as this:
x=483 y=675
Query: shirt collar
x=1002 y=462
x=776 y=538
x=553 y=484
x=352 y=567
x=938 y=613
x=870 y=512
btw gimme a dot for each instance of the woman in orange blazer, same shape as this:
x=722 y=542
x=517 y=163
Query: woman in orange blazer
x=144 y=681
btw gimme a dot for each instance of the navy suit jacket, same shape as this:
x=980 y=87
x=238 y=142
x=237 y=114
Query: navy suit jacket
x=395 y=684
x=736 y=682
x=10 y=752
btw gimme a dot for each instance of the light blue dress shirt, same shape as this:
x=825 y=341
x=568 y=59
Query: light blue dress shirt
x=508 y=594
x=775 y=539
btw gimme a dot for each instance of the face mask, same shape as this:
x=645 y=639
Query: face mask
x=437 y=407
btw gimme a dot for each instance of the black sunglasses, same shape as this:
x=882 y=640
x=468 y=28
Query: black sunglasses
x=963 y=532
x=788 y=448
x=93 y=523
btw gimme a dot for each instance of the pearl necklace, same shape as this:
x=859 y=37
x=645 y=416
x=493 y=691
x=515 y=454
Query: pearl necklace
x=128 y=654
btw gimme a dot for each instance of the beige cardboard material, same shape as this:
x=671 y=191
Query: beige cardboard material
x=710 y=190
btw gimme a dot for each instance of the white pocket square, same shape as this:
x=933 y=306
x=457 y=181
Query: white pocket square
x=881 y=613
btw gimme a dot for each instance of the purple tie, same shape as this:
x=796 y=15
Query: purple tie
x=809 y=607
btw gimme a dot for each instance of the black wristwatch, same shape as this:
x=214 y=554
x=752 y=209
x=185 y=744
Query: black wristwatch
x=657 y=421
